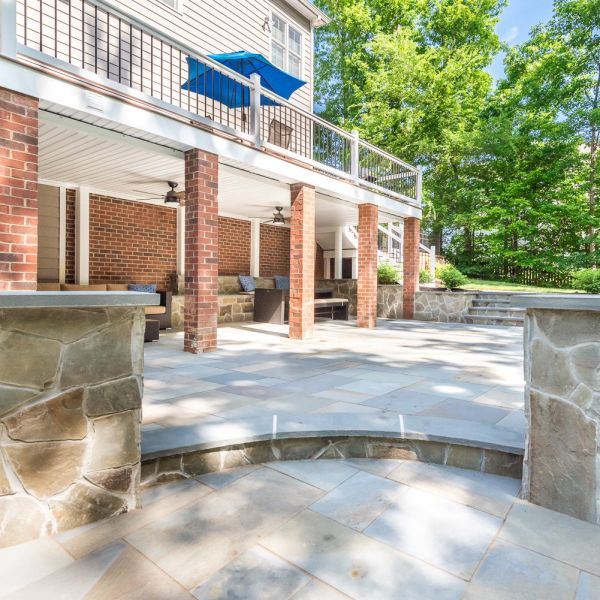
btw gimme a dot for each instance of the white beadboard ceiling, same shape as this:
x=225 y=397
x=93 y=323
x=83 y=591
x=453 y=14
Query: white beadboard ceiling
x=83 y=154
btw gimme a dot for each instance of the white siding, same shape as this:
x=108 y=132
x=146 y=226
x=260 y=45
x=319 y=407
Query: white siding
x=48 y=233
x=214 y=26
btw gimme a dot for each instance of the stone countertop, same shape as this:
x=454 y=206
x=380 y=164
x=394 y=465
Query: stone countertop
x=29 y=299
x=590 y=302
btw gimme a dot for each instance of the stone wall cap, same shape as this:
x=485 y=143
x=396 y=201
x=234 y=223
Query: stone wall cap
x=558 y=301
x=189 y=438
x=425 y=290
x=27 y=299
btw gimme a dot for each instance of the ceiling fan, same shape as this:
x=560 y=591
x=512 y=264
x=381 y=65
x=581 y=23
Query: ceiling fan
x=171 y=197
x=278 y=218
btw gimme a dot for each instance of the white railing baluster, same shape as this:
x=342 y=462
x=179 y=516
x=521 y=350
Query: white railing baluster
x=255 y=110
x=354 y=156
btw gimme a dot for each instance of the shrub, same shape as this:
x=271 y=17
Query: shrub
x=425 y=276
x=451 y=277
x=588 y=280
x=388 y=274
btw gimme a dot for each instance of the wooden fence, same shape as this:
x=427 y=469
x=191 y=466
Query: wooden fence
x=533 y=276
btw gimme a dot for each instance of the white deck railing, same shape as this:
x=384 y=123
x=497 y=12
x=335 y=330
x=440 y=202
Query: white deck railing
x=90 y=37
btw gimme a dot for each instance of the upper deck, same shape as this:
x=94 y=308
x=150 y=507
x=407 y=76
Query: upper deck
x=118 y=55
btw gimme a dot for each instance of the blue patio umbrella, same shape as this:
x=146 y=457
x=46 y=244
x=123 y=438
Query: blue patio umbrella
x=204 y=79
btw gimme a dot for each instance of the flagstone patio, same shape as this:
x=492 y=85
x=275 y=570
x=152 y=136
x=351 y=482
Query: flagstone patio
x=322 y=530
x=450 y=378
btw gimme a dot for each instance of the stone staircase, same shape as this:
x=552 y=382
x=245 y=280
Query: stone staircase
x=493 y=308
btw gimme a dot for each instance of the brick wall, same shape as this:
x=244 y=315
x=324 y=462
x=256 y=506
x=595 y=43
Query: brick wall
x=131 y=241
x=302 y=261
x=18 y=191
x=126 y=261
x=366 y=308
x=70 y=237
x=274 y=250
x=201 y=251
x=234 y=246
x=410 y=265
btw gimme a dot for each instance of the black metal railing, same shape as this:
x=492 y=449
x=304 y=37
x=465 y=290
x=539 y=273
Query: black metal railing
x=96 y=38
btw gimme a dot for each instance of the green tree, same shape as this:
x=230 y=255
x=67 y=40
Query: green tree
x=411 y=77
x=558 y=74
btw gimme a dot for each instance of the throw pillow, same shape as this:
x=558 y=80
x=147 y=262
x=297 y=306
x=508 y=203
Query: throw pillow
x=149 y=288
x=247 y=282
x=282 y=282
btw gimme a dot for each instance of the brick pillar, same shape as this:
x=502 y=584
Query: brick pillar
x=18 y=191
x=410 y=265
x=302 y=261
x=201 y=251
x=366 y=302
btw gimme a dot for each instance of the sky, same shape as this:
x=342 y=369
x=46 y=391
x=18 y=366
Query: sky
x=516 y=21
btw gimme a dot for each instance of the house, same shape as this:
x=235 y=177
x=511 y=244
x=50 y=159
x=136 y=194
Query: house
x=99 y=111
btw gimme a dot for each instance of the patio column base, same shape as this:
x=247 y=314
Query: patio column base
x=366 y=307
x=201 y=251
x=302 y=262
x=410 y=265
x=19 y=198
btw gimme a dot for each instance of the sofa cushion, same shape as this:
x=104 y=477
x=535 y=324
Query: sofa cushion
x=247 y=282
x=117 y=287
x=149 y=288
x=282 y=282
x=74 y=287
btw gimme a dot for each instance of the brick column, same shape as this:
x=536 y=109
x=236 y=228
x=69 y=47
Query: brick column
x=18 y=191
x=410 y=265
x=201 y=251
x=366 y=303
x=302 y=261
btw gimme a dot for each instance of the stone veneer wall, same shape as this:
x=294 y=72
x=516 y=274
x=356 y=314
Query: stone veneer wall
x=430 y=305
x=70 y=405
x=443 y=306
x=562 y=404
x=436 y=306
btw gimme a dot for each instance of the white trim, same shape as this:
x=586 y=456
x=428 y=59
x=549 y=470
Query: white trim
x=255 y=247
x=307 y=9
x=82 y=236
x=62 y=233
x=288 y=22
x=355 y=267
x=338 y=252
x=181 y=240
x=348 y=253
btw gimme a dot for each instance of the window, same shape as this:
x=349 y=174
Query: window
x=286 y=46
x=176 y=4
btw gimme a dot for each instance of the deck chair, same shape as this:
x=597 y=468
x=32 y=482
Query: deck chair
x=280 y=134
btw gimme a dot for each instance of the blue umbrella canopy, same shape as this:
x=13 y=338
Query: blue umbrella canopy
x=203 y=79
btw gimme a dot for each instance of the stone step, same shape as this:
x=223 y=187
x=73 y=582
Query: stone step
x=490 y=302
x=497 y=311
x=498 y=296
x=488 y=320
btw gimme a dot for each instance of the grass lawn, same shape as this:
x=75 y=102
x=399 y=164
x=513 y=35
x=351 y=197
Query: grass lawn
x=505 y=286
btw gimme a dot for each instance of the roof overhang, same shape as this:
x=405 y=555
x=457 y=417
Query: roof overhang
x=307 y=9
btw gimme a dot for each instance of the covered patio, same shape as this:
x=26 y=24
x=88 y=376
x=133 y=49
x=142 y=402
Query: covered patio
x=103 y=220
